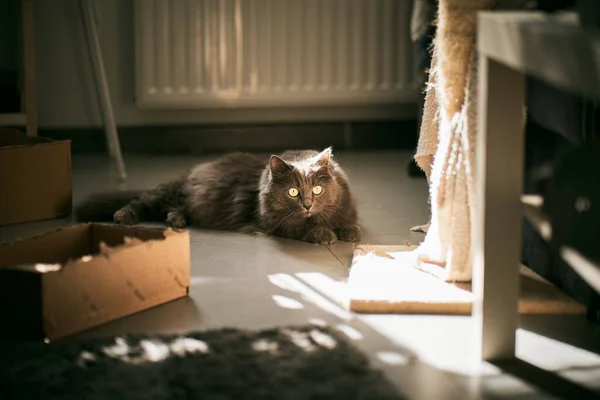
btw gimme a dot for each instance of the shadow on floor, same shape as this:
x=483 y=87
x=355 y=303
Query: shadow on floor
x=546 y=381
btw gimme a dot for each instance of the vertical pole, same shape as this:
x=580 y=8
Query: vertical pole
x=497 y=227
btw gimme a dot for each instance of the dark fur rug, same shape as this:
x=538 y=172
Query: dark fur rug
x=305 y=362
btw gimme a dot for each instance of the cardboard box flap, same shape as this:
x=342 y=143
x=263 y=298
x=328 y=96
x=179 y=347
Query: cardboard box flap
x=37 y=268
x=45 y=253
x=14 y=137
x=114 y=235
x=154 y=234
x=55 y=247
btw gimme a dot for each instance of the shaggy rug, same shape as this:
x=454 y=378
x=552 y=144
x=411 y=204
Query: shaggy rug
x=306 y=362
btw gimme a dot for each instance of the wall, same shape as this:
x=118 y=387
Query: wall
x=66 y=95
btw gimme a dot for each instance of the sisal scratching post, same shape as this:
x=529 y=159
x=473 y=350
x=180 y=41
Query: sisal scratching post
x=446 y=143
x=428 y=138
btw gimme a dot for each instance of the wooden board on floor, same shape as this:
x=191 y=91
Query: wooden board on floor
x=383 y=280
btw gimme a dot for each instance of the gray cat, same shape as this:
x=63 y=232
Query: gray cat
x=301 y=195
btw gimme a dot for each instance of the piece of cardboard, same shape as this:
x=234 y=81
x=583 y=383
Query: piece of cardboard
x=35 y=178
x=383 y=279
x=73 y=279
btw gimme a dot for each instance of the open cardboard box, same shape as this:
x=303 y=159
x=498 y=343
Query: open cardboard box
x=35 y=177
x=73 y=279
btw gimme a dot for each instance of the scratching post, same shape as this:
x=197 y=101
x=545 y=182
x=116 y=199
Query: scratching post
x=446 y=149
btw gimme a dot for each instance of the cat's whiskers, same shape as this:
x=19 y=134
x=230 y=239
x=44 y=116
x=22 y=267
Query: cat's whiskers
x=333 y=211
x=287 y=220
x=327 y=217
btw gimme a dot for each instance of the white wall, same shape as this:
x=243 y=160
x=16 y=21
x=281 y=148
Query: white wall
x=66 y=96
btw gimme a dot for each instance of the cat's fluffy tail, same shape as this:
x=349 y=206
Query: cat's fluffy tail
x=100 y=207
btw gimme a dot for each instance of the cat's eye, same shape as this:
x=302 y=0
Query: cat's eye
x=317 y=190
x=293 y=192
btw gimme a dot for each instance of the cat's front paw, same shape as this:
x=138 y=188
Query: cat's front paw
x=125 y=216
x=176 y=220
x=321 y=236
x=351 y=233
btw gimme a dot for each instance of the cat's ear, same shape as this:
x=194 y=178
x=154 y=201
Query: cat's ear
x=278 y=166
x=322 y=159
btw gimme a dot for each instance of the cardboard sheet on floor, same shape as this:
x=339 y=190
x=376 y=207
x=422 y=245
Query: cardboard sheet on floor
x=383 y=280
x=73 y=279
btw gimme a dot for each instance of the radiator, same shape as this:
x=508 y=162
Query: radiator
x=268 y=53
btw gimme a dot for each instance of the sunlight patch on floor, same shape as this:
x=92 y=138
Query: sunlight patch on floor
x=349 y=331
x=551 y=354
x=392 y=358
x=295 y=285
x=149 y=350
x=286 y=302
x=264 y=345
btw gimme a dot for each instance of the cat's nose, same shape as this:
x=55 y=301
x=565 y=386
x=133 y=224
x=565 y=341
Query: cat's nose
x=307 y=206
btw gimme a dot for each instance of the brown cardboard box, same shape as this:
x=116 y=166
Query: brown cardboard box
x=72 y=279
x=35 y=178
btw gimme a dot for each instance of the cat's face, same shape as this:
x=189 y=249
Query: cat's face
x=303 y=189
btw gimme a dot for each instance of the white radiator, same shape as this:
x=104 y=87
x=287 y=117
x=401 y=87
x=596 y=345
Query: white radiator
x=266 y=53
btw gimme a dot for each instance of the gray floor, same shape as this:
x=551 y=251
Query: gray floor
x=257 y=282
